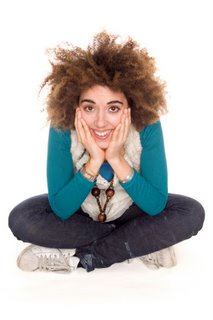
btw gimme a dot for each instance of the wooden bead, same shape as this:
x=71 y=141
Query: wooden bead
x=110 y=193
x=101 y=217
x=95 y=192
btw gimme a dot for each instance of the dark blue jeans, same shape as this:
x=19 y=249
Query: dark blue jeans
x=99 y=245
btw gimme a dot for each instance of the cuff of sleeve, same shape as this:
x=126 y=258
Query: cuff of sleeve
x=129 y=182
x=84 y=180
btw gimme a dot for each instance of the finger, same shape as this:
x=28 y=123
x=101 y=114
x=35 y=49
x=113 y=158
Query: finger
x=75 y=121
x=119 y=131
x=127 y=124
x=116 y=133
x=129 y=115
x=86 y=129
x=79 y=127
x=123 y=125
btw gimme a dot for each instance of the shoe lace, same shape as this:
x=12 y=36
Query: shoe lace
x=151 y=258
x=54 y=263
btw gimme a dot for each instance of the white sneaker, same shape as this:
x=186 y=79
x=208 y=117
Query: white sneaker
x=35 y=258
x=163 y=258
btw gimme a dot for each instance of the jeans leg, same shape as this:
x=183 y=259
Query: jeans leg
x=33 y=221
x=142 y=234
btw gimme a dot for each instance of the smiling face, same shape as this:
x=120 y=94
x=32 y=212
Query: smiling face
x=102 y=108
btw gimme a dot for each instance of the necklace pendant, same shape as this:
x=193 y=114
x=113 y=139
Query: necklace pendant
x=110 y=192
x=102 y=217
x=95 y=192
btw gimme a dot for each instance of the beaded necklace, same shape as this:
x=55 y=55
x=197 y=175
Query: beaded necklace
x=109 y=194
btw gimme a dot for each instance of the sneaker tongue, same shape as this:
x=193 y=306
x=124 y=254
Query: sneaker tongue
x=68 y=252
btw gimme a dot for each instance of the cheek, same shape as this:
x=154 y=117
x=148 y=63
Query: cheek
x=86 y=118
x=116 y=119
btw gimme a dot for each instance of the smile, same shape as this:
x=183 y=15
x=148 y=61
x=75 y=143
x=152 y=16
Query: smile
x=102 y=134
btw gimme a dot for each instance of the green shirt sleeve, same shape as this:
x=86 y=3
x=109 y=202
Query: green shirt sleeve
x=66 y=191
x=149 y=187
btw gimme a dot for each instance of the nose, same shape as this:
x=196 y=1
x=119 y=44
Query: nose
x=100 y=120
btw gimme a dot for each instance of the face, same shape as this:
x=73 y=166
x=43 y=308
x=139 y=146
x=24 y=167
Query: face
x=102 y=108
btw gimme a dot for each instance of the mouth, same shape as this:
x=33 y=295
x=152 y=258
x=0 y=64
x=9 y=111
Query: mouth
x=101 y=135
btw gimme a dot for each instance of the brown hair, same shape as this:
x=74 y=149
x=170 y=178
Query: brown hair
x=120 y=66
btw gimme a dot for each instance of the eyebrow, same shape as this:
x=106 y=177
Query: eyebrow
x=115 y=101
x=110 y=102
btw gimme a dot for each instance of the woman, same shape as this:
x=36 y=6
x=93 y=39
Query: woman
x=107 y=196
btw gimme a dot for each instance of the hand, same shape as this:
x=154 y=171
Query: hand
x=115 y=150
x=97 y=155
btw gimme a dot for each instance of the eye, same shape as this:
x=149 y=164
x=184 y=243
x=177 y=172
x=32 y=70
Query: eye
x=114 y=109
x=88 y=108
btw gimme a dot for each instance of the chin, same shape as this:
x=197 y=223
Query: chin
x=103 y=145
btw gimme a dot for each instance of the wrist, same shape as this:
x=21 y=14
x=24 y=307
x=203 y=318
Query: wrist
x=93 y=166
x=87 y=174
x=122 y=169
x=116 y=162
x=128 y=177
x=90 y=170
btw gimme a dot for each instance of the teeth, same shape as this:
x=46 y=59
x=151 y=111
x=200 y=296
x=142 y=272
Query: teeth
x=102 y=134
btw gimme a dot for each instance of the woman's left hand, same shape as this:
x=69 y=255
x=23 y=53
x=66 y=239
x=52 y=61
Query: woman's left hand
x=115 y=150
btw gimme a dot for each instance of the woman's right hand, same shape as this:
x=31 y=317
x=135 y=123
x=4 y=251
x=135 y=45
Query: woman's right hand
x=97 y=155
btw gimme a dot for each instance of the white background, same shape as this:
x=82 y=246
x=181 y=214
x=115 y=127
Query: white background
x=179 y=35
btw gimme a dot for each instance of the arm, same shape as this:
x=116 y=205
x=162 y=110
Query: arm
x=148 y=189
x=66 y=191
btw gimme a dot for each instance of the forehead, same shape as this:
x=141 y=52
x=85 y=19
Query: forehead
x=102 y=93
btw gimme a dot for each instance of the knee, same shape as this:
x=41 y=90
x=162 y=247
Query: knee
x=190 y=209
x=198 y=213
x=17 y=217
x=25 y=214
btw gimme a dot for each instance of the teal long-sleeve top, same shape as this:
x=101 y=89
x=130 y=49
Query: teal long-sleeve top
x=67 y=191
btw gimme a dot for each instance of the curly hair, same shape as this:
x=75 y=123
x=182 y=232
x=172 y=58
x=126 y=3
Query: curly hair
x=121 y=66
